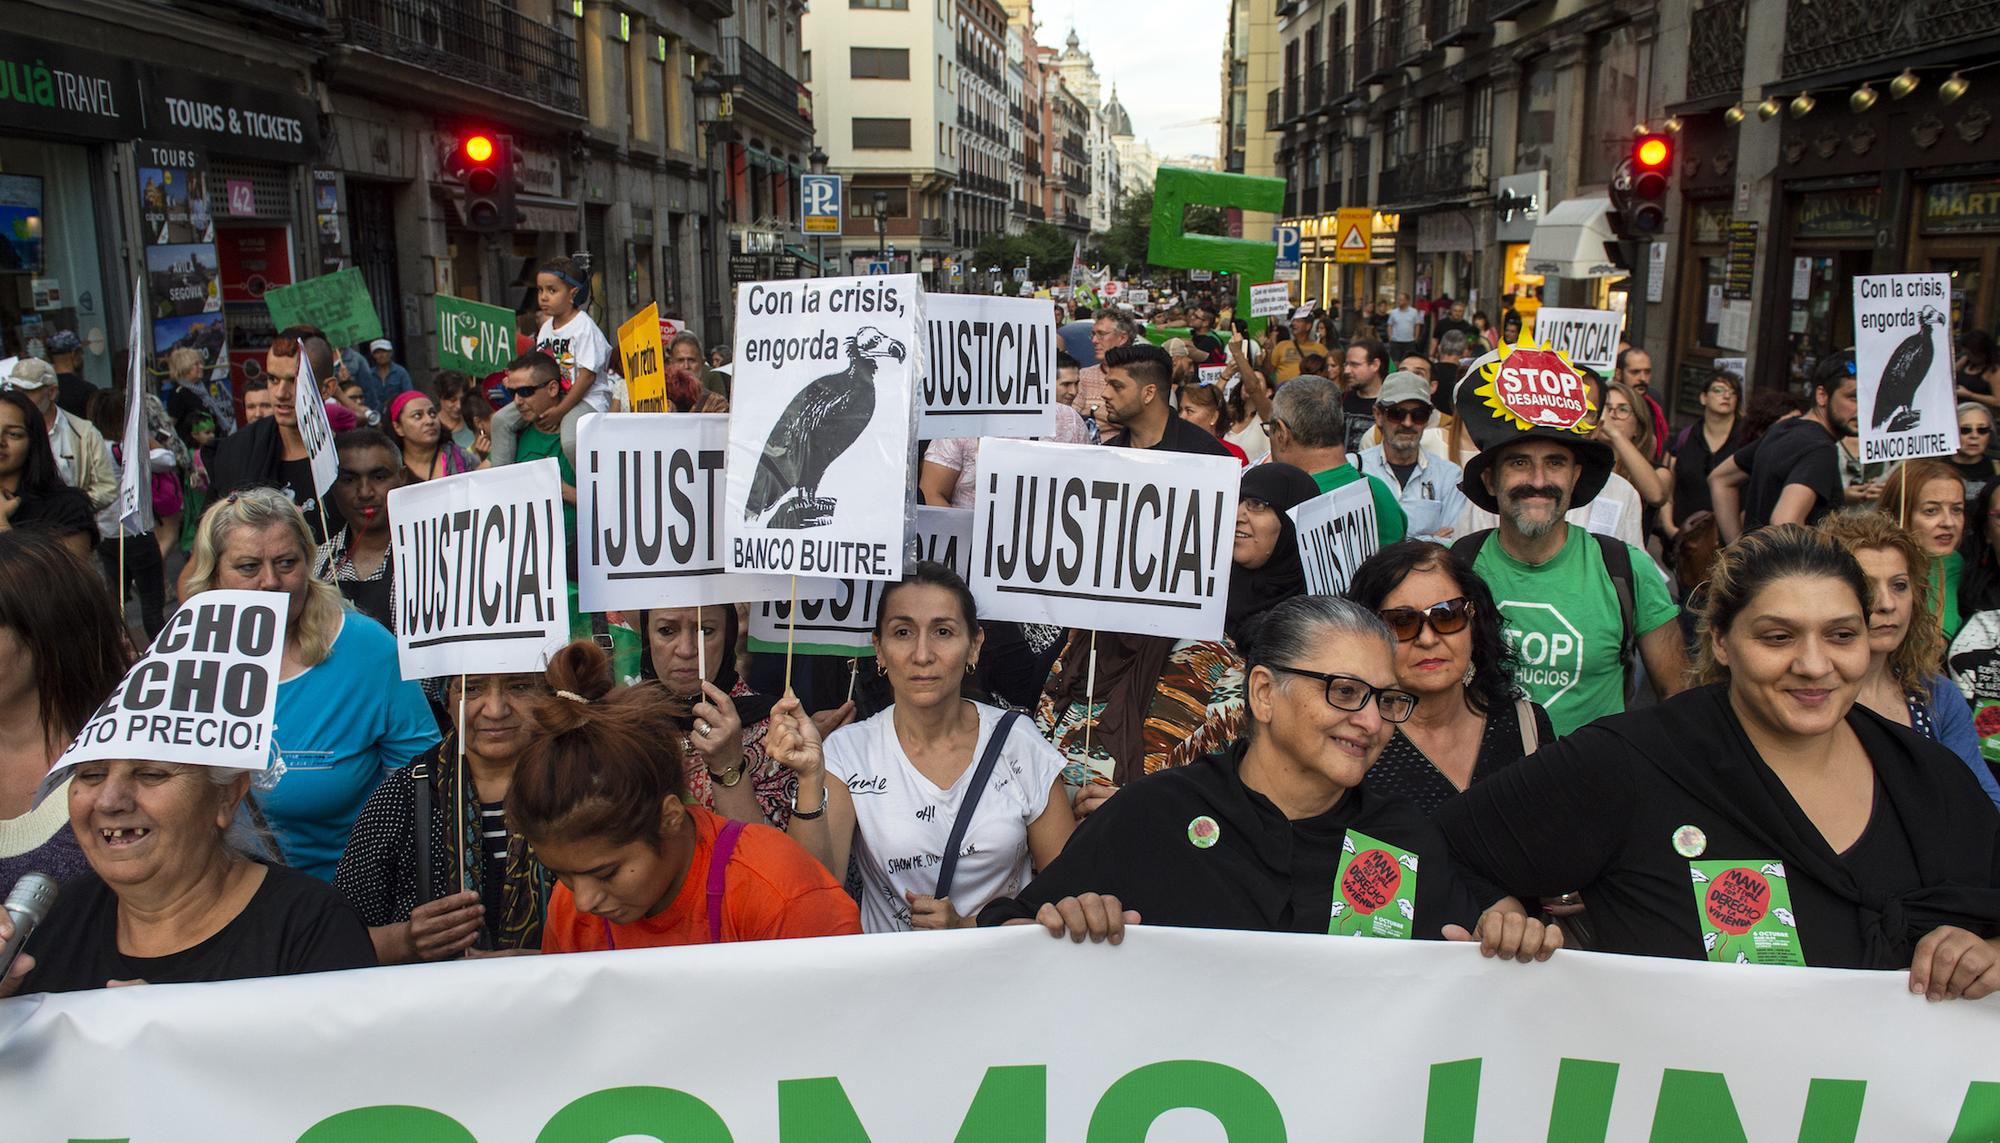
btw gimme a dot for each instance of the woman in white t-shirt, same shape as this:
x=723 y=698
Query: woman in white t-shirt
x=898 y=783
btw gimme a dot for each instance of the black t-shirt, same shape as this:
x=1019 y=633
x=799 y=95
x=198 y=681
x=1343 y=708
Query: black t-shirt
x=1794 y=451
x=293 y=923
x=1180 y=435
x=1403 y=771
x=1449 y=324
x=73 y=394
x=1974 y=382
x=63 y=512
x=296 y=477
x=1976 y=475
x=1693 y=461
x=1360 y=415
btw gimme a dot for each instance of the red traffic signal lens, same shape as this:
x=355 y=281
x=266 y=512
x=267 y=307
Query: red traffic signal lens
x=1652 y=153
x=479 y=148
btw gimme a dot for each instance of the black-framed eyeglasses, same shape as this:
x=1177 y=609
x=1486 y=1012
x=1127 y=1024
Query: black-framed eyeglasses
x=527 y=390
x=1447 y=618
x=1267 y=426
x=1345 y=692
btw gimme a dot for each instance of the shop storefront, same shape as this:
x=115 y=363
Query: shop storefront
x=1450 y=245
x=58 y=210
x=1958 y=233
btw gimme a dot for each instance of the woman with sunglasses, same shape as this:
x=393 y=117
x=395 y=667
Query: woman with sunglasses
x=1279 y=833
x=1975 y=434
x=1471 y=719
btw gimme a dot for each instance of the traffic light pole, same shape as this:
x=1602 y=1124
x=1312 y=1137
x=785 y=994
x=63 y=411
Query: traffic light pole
x=1637 y=255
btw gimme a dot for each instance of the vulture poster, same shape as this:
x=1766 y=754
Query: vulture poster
x=1902 y=364
x=822 y=425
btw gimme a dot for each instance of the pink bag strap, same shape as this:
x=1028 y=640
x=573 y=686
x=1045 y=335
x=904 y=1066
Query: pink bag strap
x=718 y=868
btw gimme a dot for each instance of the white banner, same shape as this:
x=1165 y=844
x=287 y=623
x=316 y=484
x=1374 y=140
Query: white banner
x=1105 y=539
x=1336 y=535
x=820 y=425
x=481 y=582
x=310 y=409
x=1902 y=366
x=1270 y=299
x=1590 y=337
x=204 y=694
x=1398 y=1041
x=135 y=476
x=991 y=368
x=649 y=514
x=836 y=616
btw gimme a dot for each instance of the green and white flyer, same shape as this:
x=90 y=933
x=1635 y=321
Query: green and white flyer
x=1375 y=889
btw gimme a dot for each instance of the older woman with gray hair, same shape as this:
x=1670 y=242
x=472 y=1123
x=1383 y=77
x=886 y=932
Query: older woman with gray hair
x=345 y=713
x=171 y=897
x=1278 y=834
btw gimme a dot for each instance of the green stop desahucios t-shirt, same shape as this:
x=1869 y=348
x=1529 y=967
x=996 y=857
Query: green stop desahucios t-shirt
x=1561 y=619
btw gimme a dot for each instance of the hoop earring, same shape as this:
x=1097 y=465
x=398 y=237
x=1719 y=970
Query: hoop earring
x=971 y=667
x=880 y=669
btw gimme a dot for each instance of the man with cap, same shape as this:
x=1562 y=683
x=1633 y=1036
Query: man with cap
x=1574 y=605
x=1289 y=356
x=1427 y=482
x=82 y=457
x=386 y=378
x=73 y=393
x=1306 y=431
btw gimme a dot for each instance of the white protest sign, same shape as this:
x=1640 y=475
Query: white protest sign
x=820 y=430
x=1210 y=374
x=135 y=476
x=1336 y=535
x=1589 y=337
x=836 y=616
x=1660 y=1049
x=1106 y=539
x=649 y=514
x=205 y=694
x=310 y=408
x=1902 y=366
x=481 y=583
x=1270 y=299
x=990 y=370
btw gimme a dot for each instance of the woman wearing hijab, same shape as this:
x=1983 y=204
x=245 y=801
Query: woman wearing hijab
x=1266 y=551
x=1766 y=817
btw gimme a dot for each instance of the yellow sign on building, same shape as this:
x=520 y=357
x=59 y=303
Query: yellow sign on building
x=1355 y=235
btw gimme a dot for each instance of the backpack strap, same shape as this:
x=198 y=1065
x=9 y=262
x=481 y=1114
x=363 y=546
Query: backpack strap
x=718 y=870
x=1618 y=563
x=963 y=820
x=1467 y=547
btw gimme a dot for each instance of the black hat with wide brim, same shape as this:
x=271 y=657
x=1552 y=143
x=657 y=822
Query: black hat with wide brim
x=1493 y=428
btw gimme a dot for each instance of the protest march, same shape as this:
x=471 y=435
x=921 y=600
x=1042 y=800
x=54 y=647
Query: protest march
x=1468 y=610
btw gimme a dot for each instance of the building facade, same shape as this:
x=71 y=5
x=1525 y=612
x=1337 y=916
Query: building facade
x=983 y=194
x=1252 y=85
x=884 y=76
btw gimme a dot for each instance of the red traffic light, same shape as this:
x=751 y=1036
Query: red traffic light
x=1652 y=153
x=479 y=148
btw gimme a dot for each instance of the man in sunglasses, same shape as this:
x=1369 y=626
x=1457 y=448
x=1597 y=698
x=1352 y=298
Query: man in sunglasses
x=1793 y=470
x=1577 y=607
x=1426 y=483
x=1307 y=430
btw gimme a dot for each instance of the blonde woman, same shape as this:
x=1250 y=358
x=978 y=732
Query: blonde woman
x=345 y=715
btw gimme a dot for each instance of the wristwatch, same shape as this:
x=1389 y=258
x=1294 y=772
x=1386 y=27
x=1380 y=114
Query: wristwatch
x=730 y=778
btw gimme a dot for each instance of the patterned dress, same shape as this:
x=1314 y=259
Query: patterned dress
x=775 y=786
x=1197 y=709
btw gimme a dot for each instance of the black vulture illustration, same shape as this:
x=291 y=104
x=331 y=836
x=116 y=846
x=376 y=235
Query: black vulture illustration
x=1909 y=364
x=820 y=424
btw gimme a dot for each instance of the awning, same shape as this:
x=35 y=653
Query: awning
x=1569 y=240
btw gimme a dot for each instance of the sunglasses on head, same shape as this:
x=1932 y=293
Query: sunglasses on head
x=1447 y=618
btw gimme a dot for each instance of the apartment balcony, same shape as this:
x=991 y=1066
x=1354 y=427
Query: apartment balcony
x=1375 y=49
x=1329 y=197
x=1292 y=86
x=1076 y=185
x=1337 y=87
x=1452 y=171
x=1413 y=34
x=1075 y=221
x=1037 y=212
x=933 y=228
x=1839 y=35
x=1459 y=22
x=1315 y=87
x=1715 y=51
x=1033 y=166
x=1509 y=9
x=1291 y=208
x=476 y=42
x=748 y=71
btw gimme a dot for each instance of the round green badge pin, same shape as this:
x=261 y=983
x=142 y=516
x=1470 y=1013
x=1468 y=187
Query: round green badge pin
x=1203 y=832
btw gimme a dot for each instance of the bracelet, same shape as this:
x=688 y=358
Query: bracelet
x=729 y=779
x=815 y=815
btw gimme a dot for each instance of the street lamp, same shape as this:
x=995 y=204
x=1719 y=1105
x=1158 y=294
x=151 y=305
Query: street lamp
x=882 y=225
x=708 y=112
x=817 y=161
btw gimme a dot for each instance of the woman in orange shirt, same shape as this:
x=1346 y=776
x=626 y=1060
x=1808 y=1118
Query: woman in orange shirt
x=599 y=793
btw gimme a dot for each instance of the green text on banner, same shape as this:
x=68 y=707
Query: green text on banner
x=473 y=337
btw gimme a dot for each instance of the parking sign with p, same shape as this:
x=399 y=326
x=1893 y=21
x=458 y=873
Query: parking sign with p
x=819 y=204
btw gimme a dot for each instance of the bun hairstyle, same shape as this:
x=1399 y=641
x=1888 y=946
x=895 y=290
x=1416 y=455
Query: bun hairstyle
x=599 y=761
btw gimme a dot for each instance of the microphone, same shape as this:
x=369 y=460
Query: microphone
x=27 y=906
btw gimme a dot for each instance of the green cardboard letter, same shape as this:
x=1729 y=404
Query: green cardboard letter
x=1175 y=189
